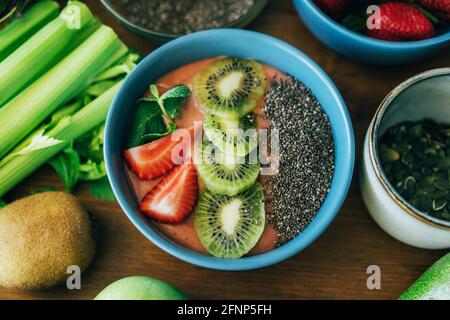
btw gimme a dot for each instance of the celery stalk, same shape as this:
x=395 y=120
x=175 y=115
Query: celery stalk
x=15 y=168
x=64 y=81
x=43 y=50
x=24 y=27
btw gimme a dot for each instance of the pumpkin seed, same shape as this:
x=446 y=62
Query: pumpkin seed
x=415 y=157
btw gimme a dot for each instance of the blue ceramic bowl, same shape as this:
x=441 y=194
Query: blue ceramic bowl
x=238 y=43
x=362 y=48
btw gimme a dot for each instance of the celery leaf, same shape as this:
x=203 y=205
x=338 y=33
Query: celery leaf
x=67 y=165
x=90 y=170
x=101 y=189
x=38 y=142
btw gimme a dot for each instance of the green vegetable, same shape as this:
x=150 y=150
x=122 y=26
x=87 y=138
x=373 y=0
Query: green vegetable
x=90 y=148
x=140 y=288
x=90 y=165
x=67 y=165
x=67 y=79
x=101 y=189
x=90 y=145
x=148 y=121
x=91 y=170
x=18 y=165
x=18 y=31
x=171 y=101
x=83 y=161
x=2 y=203
x=434 y=284
x=45 y=49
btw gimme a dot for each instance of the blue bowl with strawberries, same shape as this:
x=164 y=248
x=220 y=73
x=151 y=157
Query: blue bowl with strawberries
x=393 y=33
x=188 y=163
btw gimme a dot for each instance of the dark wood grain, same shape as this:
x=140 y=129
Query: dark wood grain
x=334 y=267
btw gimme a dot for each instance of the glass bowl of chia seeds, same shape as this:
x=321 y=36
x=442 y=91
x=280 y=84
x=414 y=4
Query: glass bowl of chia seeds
x=165 y=20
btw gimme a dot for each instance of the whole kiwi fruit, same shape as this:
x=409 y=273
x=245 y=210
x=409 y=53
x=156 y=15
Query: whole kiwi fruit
x=40 y=237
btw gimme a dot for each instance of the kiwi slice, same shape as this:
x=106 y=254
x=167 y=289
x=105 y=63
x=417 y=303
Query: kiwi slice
x=230 y=87
x=238 y=137
x=229 y=227
x=225 y=173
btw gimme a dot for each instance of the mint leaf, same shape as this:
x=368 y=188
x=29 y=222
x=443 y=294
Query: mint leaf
x=173 y=107
x=178 y=92
x=174 y=99
x=2 y=203
x=149 y=99
x=66 y=165
x=154 y=91
x=155 y=136
x=147 y=121
x=101 y=189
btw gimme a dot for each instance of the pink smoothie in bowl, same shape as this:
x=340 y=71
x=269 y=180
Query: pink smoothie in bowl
x=215 y=213
x=184 y=232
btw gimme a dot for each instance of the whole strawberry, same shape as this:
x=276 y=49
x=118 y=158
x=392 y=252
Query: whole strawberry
x=336 y=9
x=402 y=22
x=439 y=8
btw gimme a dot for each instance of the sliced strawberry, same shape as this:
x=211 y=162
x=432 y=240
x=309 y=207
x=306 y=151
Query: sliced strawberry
x=174 y=198
x=153 y=160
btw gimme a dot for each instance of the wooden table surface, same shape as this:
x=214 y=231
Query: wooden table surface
x=333 y=267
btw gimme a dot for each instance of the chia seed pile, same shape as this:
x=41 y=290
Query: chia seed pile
x=183 y=16
x=296 y=193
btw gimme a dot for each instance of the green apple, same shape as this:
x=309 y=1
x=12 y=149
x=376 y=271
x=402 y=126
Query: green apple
x=434 y=284
x=140 y=288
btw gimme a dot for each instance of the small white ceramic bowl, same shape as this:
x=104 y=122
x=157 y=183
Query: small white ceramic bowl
x=426 y=95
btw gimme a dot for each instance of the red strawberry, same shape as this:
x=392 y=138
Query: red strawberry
x=155 y=159
x=334 y=8
x=402 y=22
x=440 y=8
x=151 y=160
x=174 y=198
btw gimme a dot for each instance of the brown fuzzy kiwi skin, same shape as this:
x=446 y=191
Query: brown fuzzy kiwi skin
x=40 y=237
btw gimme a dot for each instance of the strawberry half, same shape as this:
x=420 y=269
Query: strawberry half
x=153 y=160
x=402 y=22
x=174 y=198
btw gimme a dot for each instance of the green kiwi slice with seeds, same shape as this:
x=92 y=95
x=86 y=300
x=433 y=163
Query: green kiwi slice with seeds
x=238 y=137
x=225 y=173
x=230 y=87
x=229 y=227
